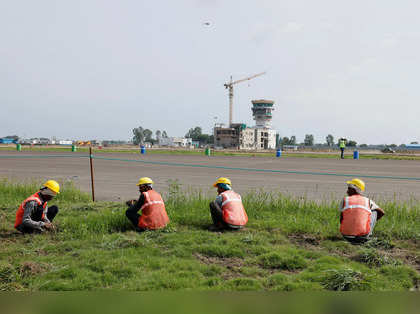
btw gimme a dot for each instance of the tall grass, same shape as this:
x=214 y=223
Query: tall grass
x=95 y=246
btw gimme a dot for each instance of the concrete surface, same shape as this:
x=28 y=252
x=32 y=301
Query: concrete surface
x=116 y=180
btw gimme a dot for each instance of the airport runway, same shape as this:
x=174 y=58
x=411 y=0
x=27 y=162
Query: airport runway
x=115 y=179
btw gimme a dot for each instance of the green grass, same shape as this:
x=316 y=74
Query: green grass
x=200 y=152
x=289 y=244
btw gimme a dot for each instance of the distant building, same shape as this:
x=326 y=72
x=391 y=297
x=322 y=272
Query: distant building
x=7 y=141
x=239 y=136
x=175 y=141
x=64 y=142
x=413 y=146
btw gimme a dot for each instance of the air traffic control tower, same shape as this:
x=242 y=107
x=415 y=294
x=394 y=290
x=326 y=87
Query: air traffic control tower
x=261 y=110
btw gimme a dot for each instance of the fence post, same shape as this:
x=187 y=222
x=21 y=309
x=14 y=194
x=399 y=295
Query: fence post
x=91 y=174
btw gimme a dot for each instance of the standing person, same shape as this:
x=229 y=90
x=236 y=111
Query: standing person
x=227 y=210
x=359 y=214
x=34 y=215
x=153 y=212
x=342 y=144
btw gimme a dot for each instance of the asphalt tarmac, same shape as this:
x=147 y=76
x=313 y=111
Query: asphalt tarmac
x=116 y=179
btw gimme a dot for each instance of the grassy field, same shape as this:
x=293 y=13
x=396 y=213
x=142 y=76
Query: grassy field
x=289 y=244
x=285 y=154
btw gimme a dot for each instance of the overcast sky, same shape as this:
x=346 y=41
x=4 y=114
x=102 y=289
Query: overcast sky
x=95 y=69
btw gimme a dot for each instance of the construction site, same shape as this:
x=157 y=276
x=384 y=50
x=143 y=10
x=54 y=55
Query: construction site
x=239 y=135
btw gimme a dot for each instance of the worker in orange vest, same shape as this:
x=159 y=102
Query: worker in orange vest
x=34 y=215
x=153 y=212
x=359 y=214
x=227 y=210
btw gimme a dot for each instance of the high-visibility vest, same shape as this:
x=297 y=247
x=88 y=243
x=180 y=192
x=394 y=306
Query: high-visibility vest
x=19 y=214
x=153 y=212
x=356 y=215
x=233 y=210
x=342 y=144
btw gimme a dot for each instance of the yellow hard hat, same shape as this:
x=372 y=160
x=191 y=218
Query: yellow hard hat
x=145 y=180
x=357 y=183
x=53 y=186
x=222 y=180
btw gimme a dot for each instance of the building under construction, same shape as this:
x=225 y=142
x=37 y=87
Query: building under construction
x=239 y=136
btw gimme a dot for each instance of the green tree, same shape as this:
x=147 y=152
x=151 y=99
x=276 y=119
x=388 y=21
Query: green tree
x=330 y=140
x=292 y=140
x=284 y=141
x=148 y=135
x=309 y=140
x=351 y=143
x=164 y=134
x=138 y=137
x=158 y=134
x=194 y=133
x=13 y=137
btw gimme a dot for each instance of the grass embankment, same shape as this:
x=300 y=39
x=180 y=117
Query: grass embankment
x=200 y=152
x=289 y=244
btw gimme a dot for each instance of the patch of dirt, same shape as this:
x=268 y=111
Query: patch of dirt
x=41 y=252
x=29 y=269
x=307 y=241
x=410 y=258
x=221 y=261
x=12 y=234
x=232 y=264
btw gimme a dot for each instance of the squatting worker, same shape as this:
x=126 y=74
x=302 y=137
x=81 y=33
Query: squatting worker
x=153 y=212
x=33 y=214
x=359 y=214
x=227 y=210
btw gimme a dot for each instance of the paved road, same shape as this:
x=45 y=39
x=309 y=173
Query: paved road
x=116 y=179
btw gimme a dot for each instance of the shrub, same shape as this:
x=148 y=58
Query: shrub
x=343 y=280
x=372 y=257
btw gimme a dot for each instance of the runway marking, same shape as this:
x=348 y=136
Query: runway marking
x=220 y=167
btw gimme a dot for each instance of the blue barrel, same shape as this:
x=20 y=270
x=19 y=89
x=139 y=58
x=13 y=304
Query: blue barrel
x=356 y=154
x=142 y=149
x=278 y=153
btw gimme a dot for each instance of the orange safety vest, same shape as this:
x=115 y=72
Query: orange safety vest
x=19 y=214
x=356 y=214
x=233 y=210
x=153 y=212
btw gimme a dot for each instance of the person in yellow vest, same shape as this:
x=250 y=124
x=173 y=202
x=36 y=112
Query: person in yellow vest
x=358 y=214
x=227 y=210
x=153 y=212
x=34 y=215
x=342 y=144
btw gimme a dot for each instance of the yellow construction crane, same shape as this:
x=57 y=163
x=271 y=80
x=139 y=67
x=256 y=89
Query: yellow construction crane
x=230 y=87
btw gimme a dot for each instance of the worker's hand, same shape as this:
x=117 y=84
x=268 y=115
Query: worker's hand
x=49 y=226
x=130 y=203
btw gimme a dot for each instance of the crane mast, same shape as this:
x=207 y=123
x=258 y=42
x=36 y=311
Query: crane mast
x=229 y=86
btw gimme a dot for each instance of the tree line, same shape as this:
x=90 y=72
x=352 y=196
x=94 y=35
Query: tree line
x=310 y=141
x=142 y=135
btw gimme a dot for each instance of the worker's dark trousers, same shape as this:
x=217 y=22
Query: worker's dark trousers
x=51 y=213
x=134 y=217
x=342 y=153
x=363 y=239
x=217 y=217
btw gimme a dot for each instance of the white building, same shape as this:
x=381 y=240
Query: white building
x=175 y=141
x=239 y=136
